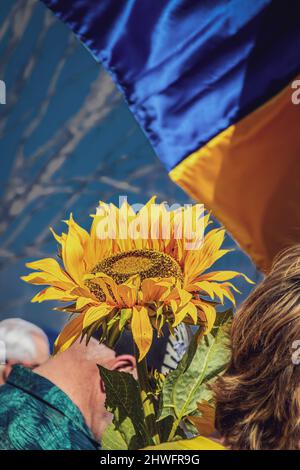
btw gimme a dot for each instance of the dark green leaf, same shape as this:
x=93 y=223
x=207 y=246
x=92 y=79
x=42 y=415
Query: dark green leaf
x=112 y=438
x=124 y=401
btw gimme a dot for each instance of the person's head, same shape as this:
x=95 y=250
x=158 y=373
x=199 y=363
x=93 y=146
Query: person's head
x=75 y=371
x=21 y=343
x=258 y=397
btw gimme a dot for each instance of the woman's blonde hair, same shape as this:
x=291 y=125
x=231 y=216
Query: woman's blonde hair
x=258 y=397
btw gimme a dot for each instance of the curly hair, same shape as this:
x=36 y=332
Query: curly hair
x=258 y=397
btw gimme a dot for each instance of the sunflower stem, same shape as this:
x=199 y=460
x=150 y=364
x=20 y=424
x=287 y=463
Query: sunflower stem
x=146 y=397
x=113 y=337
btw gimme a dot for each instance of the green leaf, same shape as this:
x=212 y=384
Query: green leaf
x=126 y=314
x=124 y=401
x=112 y=438
x=200 y=366
x=222 y=319
x=87 y=332
x=115 y=319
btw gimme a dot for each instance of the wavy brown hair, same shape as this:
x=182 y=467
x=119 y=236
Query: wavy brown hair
x=258 y=397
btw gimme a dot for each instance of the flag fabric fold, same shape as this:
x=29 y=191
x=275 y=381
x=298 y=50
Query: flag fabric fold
x=210 y=84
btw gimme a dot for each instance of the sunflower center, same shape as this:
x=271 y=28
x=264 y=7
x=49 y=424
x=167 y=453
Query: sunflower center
x=146 y=263
x=131 y=265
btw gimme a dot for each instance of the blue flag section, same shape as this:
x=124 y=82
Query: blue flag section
x=189 y=69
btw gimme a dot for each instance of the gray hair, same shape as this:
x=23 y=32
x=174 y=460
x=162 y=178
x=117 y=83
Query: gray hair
x=17 y=338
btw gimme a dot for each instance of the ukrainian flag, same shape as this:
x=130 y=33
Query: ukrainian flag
x=210 y=83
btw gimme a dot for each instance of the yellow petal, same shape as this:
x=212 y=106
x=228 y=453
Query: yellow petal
x=94 y=314
x=204 y=286
x=198 y=261
x=221 y=276
x=209 y=311
x=73 y=253
x=83 y=291
x=41 y=278
x=185 y=296
x=189 y=309
x=214 y=289
x=50 y=266
x=52 y=293
x=69 y=334
x=153 y=290
x=100 y=247
x=83 y=302
x=228 y=294
x=126 y=294
x=37 y=278
x=192 y=312
x=109 y=287
x=142 y=331
x=129 y=295
x=85 y=241
x=174 y=306
x=125 y=215
x=58 y=238
x=82 y=233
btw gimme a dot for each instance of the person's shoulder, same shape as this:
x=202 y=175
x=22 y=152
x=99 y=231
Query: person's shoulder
x=13 y=406
x=33 y=429
x=27 y=423
x=10 y=398
x=25 y=420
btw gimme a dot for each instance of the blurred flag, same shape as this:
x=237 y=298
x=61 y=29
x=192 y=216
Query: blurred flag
x=210 y=83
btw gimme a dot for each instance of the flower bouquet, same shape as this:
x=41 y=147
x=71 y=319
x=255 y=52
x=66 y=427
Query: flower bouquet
x=145 y=271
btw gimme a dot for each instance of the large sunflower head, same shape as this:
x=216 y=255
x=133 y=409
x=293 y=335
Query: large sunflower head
x=134 y=270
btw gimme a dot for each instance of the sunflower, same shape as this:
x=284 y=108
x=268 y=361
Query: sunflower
x=137 y=282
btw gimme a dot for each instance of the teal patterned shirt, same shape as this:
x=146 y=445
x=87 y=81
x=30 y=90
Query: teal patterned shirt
x=35 y=415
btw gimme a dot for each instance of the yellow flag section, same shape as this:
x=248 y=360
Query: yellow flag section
x=197 y=443
x=249 y=176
